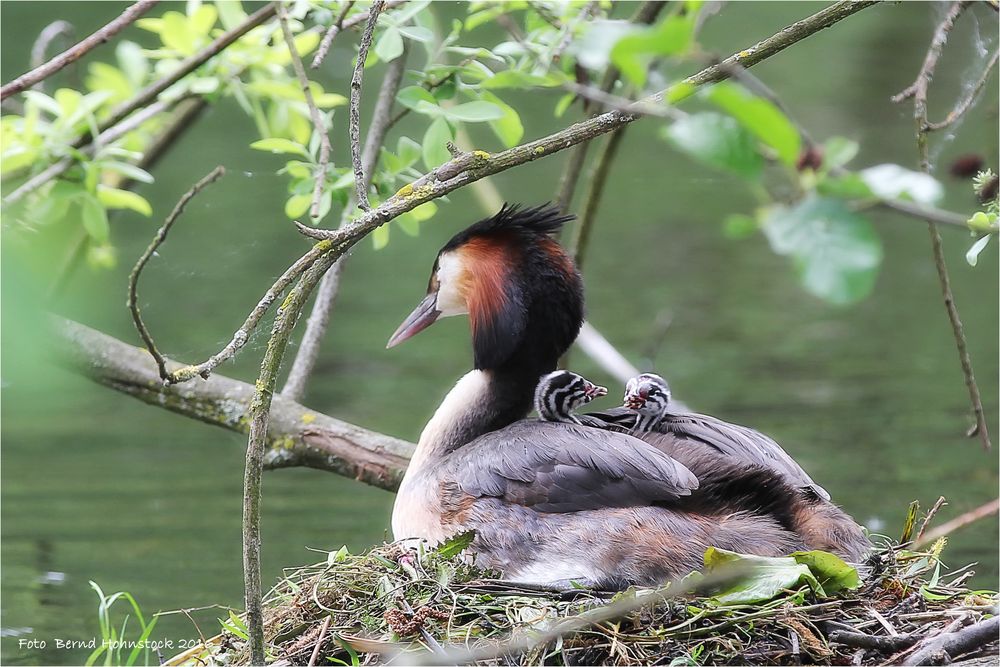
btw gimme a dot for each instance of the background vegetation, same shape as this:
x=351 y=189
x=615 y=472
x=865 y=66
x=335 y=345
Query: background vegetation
x=834 y=341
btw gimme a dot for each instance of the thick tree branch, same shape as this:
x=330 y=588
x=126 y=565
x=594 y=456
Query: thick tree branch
x=943 y=648
x=360 y=188
x=319 y=125
x=161 y=236
x=319 y=317
x=298 y=436
x=918 y=91
x=74 y=53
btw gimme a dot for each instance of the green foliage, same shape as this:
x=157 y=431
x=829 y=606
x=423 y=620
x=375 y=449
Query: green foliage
x=835 y=252
x=760 y=117
x=116 y=646
x=634 y=52
x=718 y=141
x=823 y=573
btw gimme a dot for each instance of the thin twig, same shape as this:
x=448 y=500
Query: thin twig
x=332 y=31
x=918 y=91
x=49 y=34
x=319 y=125
x=598 y=178
x=960 y=521
x=319 y=316
x=966 y=103
x=74 y=53
x=930 y=515
x=360 y=189
x=161 y=236
x=319 y=641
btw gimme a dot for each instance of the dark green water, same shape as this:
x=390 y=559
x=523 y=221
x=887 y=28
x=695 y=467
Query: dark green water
x=870 y=399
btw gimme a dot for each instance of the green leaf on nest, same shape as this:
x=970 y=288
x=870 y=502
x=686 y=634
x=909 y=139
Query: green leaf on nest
x=456 y=544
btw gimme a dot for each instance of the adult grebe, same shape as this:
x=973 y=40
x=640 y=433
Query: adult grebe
x=550 y=502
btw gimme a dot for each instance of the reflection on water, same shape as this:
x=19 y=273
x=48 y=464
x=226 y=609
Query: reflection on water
x=869 y=399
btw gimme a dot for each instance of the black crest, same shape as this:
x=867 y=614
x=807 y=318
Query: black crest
x=513 y=219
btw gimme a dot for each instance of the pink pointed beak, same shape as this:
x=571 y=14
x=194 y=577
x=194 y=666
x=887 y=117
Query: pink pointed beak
x=422 y=317
x=595 y=391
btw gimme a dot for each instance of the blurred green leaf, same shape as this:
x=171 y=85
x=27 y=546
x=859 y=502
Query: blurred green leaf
x=231 y=13
x=115 y=198
x=95 y=218
x=424 y=212
x=435 y=149
x=846 y=186
x=474 y=112
x=508 y=127
x=739 y=226
x=633 y=52
x=513 y=78
x=278 y=145
x=390 y=45
x=836 y=252
x=761 y=117
x=409 y=224
x=838 y=151
x=411 y=97
x=380 y=237
x=297 y=205
x=890 y=181
x=716 y=140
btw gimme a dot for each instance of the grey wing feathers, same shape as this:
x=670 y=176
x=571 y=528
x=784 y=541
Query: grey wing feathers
x=734 y=440
x=743 y=443
x=559 y=467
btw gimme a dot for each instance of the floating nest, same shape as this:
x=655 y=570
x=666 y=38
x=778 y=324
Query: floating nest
x=391 y=605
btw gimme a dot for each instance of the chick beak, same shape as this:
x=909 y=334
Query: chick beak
x=422 y=317
x=595 y=391
x=635 y=400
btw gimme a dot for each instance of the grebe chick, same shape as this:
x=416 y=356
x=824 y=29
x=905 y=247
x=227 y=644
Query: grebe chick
x=649 y=395
x=559 y=393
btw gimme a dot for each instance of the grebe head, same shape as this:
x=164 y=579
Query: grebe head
x=649 y=395
x=561 y=392
x=522 y=292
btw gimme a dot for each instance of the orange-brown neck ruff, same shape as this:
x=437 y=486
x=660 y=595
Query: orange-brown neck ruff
x=487 y=264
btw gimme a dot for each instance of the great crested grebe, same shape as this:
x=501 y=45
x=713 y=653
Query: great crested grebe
x=559 y=393
x=550 y=502
x=701 y=442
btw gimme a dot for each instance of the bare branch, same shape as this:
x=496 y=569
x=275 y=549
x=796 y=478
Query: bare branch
x=360 y=189
x=598 y=177
x=298 y=436
x=966 y=103
x=938 y=504
x=948 y=527
x=926 y=213
x=49 y=34
x=74 y=53
x=943 y=648
x=918 y=91
x=319 y=126
x=319 y=317
x=332 y=31
x=161 y=236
